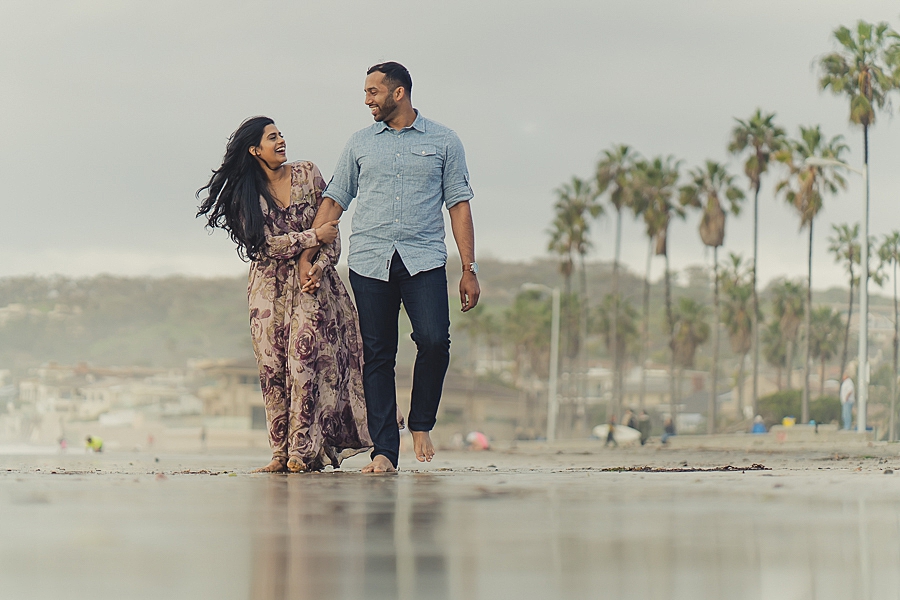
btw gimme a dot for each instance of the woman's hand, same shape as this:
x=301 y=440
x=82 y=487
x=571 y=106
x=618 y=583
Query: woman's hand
x=314 y=281
x=328 y=232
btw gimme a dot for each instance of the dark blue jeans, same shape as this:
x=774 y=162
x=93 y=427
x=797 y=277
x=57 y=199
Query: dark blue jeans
x=425 y=297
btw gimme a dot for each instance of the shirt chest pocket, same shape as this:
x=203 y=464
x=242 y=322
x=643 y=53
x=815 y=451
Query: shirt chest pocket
x=425 y=162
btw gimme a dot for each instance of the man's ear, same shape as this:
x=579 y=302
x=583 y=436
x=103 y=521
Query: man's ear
x=399 y=93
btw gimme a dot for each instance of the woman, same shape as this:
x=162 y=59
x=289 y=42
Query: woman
x=307 y=345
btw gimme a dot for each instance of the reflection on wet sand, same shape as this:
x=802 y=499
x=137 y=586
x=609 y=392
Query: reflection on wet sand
x=348 y=536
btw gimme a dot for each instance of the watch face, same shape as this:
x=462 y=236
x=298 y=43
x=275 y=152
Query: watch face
x=474 y=268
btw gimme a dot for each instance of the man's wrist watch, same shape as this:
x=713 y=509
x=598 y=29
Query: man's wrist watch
x=471 y=268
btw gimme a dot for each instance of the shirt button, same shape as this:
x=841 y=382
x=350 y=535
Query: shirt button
x=396 y=220
x=398 y=197
x=398 y=154
x=423 y=152
x=398 y=174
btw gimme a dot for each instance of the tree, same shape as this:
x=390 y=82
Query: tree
x=690 y=331
x=762 y=138
x=844 y=245
x=617 y=317
x=737 y=285
x=654 y=188
x=824 y=338
x=805 y=188
x=787 y=305
x=889 y=253
x=614 y=176
x=709 y=186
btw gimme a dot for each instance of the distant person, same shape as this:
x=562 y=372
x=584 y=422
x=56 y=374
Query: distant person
x=403 y=171
x=758 y=425
x=307 y=346
x=478 y=441
x=63 y=444
x=611 y=432
x=643 y=426
x=94 y=444
x=848 y=397
x=668 y=430
x=629 y=420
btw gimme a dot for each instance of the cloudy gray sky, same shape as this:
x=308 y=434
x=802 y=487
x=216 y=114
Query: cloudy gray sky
x=114 y=112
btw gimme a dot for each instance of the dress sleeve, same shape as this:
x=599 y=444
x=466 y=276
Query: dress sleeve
x=329 y=253
x=290 y=244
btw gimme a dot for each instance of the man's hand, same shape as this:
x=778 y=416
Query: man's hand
x=469 y=291
x=313 y=278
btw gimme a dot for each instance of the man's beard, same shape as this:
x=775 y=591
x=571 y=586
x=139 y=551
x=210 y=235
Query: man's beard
x=386 y=110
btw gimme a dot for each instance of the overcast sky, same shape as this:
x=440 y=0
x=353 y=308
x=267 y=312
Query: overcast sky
x=113 y=113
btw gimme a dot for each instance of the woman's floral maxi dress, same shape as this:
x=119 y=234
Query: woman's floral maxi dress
x=307 y=346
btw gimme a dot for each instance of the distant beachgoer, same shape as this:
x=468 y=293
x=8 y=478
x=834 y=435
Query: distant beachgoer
x=611 y=432
x=94 y=443
x=758 y=425
x=307 y=345
x=643 y=426
x=629 y=420
x=478 y=441
x=668 y=430
x=848 y=397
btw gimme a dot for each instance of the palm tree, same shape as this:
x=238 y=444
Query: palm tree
x=824 y=338
x=737 y=285
x=614 y=175
x=774 y=349
x=613 y=309
x=787 y=305
x=844 y=245
x=861 y=70
x=710 y=186
x=804 y=188
x=763 y=138
x=654 y=189
x=889 y=253
x=690 y=331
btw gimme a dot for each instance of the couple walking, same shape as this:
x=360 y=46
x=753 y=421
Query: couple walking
x=327 y=377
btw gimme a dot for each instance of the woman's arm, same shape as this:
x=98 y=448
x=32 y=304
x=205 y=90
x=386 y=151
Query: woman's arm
x=290 y=244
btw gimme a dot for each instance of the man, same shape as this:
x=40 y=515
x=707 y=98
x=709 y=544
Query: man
x=848 y=397
x=401 y=170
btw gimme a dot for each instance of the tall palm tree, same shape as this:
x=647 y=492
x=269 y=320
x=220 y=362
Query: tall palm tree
x=612 y=309
x=805 y=188
x=655 y=184
x=787 y=305
x=824 y=338
x=690 y=331
x=710 y=186
x=737 y=284
x=861 y=69
x=762 y=137
x=844 y=245
x=774 y=349
x=614 y=176
x=889 y=253
x=576 y=206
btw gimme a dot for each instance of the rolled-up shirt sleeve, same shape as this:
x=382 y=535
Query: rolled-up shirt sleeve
x=344 y=183
x=455 y=183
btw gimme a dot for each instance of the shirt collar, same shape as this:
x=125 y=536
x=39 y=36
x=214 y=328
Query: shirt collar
x=418 y=124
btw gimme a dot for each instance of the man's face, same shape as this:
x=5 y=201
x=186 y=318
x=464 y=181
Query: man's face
x=379 y=98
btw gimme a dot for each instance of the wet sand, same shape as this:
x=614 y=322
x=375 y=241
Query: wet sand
x=527 y=522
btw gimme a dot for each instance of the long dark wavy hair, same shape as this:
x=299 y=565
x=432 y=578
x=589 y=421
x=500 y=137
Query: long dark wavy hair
x=232 y=201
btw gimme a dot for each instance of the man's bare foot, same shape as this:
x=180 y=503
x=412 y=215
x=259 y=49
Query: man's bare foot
x=379 y=464
x=295 y=465
x=422 y=445
x=276 y=466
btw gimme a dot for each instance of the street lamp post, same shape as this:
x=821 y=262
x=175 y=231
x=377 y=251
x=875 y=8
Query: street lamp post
x=862 y=376
x=552 y=400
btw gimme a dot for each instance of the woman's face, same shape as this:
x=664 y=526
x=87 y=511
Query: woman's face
x=271 y=148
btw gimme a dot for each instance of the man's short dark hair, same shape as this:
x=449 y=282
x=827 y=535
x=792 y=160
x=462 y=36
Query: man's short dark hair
x=395 y=75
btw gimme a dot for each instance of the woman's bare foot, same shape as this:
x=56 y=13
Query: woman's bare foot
x=379 y=464
x=276 y=466
x=422 y=446
x=295 y=465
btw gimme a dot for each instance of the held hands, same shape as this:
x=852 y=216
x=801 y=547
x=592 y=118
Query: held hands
x=327 y=232
x=313 y=277
x=469 y=291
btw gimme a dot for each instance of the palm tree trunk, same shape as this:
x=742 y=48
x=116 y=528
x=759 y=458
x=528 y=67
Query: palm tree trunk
x=790 y=363
x=645 y=327
x=673 y=399
x=847 y=326
x=779 y=371
x=711 y=409
x=804 y=407
x=822 y=380
x=893 y=432
x=755 y=315
x=614 y=325
x=741 y=385
x=582 y=352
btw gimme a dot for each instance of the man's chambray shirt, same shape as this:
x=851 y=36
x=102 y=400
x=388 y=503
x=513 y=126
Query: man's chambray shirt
x=401 y=180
